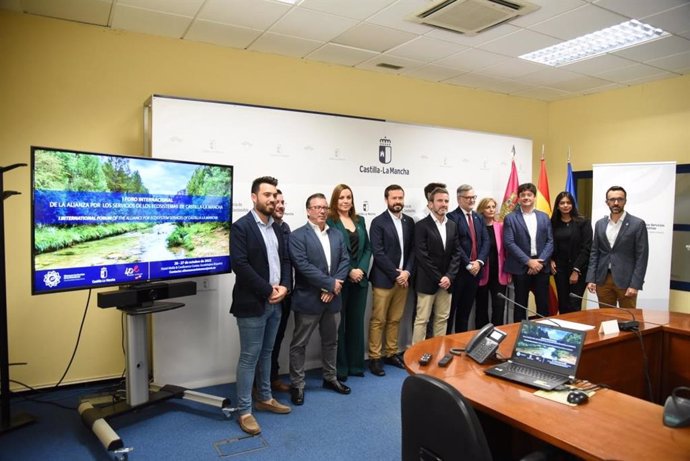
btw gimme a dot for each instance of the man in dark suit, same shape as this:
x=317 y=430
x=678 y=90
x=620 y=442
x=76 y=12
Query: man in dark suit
x=262 y=276
x=474 y=245
x=620 y=249
x=321 y=263
x=392 y=238
x=276 y=384
x=437 y=258
x=528 y=241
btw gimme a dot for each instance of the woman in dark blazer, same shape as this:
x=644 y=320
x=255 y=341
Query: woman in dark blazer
x=572 y=239
x=342 y=216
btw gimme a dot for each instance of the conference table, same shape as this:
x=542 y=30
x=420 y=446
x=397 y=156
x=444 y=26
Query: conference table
x=621 y=422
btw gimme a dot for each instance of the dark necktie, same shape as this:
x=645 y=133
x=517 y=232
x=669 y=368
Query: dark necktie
x=473 y=237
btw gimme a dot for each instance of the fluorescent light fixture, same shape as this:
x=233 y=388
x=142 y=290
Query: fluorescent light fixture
x=289 y=2
x=623 y=35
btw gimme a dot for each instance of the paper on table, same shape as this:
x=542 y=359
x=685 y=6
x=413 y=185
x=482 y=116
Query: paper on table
x=567 y=324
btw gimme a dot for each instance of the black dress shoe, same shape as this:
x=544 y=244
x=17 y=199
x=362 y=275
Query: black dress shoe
x=297 y=396
x=394 y=360
x=376 y=367
x=337 y=386
x=342 y=378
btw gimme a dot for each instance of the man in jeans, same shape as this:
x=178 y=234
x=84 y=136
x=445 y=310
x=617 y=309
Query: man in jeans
x=261 y=265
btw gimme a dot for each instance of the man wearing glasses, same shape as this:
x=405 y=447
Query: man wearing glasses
x=618 y=260
x=321 y=262
x=474 y=246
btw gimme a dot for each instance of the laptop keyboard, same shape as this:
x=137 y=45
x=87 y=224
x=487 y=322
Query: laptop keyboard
x=532 y=372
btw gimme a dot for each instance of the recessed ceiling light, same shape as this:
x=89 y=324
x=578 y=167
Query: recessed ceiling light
x=624 y=35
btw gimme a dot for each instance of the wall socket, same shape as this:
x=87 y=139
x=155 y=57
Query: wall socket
x=206 y=284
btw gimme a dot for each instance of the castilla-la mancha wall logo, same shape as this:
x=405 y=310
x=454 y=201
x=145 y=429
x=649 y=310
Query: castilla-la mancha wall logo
x=385 y=150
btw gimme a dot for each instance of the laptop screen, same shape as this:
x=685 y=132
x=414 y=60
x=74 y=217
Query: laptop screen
x=549 y=347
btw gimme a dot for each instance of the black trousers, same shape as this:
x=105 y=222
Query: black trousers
x=539 y=285
x=564 y=288
x=481 y=309
x=464 y=290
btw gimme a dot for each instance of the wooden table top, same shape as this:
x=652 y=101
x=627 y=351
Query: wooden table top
x=612 y=425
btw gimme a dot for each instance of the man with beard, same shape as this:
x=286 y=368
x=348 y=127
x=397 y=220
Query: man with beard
x=437 y=258
x=392 y=243
x=263 y=274
x=618 y=259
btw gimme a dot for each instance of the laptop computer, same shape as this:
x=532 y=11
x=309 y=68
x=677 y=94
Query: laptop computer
x=544 y=356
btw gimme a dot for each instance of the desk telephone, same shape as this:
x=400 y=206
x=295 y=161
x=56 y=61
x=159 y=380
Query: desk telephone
x=484 y=343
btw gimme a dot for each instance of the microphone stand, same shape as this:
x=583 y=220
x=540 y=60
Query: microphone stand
x=502 y=296
x=630 y=325
x=7 y=421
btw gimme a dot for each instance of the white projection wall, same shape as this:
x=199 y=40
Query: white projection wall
x=198 y=344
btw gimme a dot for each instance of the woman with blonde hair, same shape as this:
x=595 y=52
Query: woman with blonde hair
x=494 y=279
x=342 y=216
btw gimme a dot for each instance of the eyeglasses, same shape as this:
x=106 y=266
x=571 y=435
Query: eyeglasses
x=616 y=200
x=469 y=197
x=319 y=208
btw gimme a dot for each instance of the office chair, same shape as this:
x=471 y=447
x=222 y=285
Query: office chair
x=438 y=424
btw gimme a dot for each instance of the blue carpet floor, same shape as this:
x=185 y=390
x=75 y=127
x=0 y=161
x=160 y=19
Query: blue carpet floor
x=363 y=425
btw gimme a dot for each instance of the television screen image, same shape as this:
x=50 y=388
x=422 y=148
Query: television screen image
x=102 y=220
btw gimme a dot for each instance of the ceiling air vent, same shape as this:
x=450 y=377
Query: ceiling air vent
x=471 y=16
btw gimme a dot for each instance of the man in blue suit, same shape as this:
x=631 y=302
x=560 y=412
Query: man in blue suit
x=262 y=276
x=321 y=263
x=528 y=241
x=392 y=244
x=474 y=246
x=620 y=249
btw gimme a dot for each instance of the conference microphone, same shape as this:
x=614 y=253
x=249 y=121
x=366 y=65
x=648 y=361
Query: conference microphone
x=630 y=325
x=502 y=296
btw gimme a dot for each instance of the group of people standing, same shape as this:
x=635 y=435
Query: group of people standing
x=454 y=260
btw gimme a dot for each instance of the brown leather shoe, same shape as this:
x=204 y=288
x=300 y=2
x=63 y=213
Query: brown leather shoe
x=248 y=424
x=273 y=406
x=280 y=386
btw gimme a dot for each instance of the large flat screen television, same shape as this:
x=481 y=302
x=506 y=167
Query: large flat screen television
x=103 y=220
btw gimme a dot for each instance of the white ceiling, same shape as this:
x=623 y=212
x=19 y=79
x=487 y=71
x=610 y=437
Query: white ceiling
x=365 y=33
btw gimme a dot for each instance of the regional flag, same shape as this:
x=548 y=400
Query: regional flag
x=510 y=196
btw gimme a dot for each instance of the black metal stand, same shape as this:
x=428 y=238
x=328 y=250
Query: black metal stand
x=139 y=393
x=8 y=421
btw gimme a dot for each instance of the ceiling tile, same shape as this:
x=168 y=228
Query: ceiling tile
x=638 y=9
x=658 y=48
x=548 y=76
x=432 y=72
x=607 y=87
x=486 y=82
x=471 y=59
x=86 y=11
x=512 y=67
x=255 y=14
x=373 y=37
x=342 y=55
x=221 y=34
x=519 y=43
x=579 y=84
x=578 y=22
x=396 y=15
x=676 y=21
x=425 y=49
x=179 y=7
x=548 y=10
x=149 y=22
x=679 y=63
x=284 y=45
x=634 y=72
x=361 y=9
x=312 y=25
x=545 y=94
x=649 y=78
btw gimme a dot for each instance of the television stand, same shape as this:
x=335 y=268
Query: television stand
x=96 y=413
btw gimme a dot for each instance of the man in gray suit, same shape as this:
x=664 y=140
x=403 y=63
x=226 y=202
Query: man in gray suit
x=618 y=260
x=321 y=263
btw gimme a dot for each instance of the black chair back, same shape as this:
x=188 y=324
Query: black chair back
x=438 y=423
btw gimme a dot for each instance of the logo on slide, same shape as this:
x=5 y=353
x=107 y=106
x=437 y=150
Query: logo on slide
x=51 y=279
x=385 y=150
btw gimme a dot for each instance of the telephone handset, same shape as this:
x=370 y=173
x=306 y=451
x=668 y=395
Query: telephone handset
x=484 y=343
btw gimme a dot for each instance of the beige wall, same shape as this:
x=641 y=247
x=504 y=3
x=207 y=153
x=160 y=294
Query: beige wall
x=83 y=87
